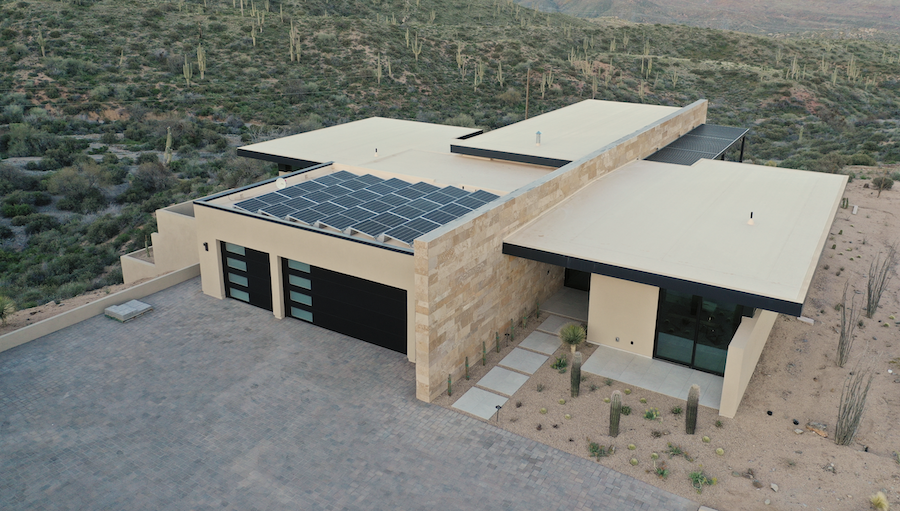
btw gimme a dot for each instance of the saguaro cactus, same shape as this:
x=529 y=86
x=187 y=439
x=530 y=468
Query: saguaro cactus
x=576 y=374
x=690 y=415
x=201 y=61
x=188 y=70
x=615 y=412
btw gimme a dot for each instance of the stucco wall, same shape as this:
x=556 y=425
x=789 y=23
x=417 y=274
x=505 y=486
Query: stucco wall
x=279 y=240
x=743 y=354
x=624 y=310
x=466 y=288
x=174 y=246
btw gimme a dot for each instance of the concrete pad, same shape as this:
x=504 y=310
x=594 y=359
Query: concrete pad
x=522 y=360
x=479 y=403
x=572 y=303
x=128 y=310
x=552 y=324
x=541 y=342
x=502 y=380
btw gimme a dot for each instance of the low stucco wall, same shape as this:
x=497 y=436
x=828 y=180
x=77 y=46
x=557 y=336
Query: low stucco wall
x=174 y=246
x=79 y=314
x=337 y=254
x=623 y=310
x=743 y=354
x=467 y=289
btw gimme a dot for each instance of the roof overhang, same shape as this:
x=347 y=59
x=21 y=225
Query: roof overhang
x=686 y=228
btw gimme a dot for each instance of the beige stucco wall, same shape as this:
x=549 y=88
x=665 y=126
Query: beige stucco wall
x=743 y=354
x=624 y=310
x=174 y=246
x=280 y=240
x=466 y=288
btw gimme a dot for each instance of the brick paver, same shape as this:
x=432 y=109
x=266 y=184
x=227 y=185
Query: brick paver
x=209 y=404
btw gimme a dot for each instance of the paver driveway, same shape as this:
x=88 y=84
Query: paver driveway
x=209 y=404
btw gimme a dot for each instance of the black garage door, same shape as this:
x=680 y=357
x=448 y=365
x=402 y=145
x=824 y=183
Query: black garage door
x=247 y=275
x=352 y=306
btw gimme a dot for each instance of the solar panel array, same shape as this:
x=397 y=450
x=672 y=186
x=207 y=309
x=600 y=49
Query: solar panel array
x=368 y=204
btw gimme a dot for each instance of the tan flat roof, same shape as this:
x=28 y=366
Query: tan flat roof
x=354 y=143
x=569 y=133
x=458 y=170
x=691 y=224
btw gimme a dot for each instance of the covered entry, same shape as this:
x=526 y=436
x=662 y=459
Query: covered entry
x=360 y=308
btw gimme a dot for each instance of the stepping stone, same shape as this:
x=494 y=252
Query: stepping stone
x=128 y=310
x=541 y=342
x=502 y=380
x=480 y=403
x=552 y=324
x=522 y=360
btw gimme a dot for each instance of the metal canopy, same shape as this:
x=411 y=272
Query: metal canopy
x=705 y=141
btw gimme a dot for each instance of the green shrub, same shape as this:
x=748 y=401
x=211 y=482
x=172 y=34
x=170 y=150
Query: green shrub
x=6 y=232
x=863 y=159
x=882 y=183
x=15 y=210
x=40 y=223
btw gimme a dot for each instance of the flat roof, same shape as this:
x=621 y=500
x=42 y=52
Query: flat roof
x=686 y=227
x=458 y=170
x=567 y=134
x=354 y=143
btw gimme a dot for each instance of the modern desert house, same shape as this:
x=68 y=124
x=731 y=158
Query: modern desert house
x=426 y=239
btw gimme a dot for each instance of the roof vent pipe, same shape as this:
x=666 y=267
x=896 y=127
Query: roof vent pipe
x=537 y=139
x=376 y=152
x=750 y=222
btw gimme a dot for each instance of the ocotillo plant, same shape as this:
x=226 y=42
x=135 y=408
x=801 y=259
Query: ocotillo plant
x=615 y=412
x=690 y=415
x=576 y=374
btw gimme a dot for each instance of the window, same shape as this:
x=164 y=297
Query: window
x=301 y=314
x=237 y=265
x=237 y=279
x=296 y=265
x=235 y=249
x=300 y=282
x=301 y=298
x=240 y=295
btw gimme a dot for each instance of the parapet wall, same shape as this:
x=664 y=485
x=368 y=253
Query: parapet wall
x=173 y=247
x=467 y=289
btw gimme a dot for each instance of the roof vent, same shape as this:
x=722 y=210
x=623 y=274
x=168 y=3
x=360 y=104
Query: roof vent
x=537 y=139
x=750 y=222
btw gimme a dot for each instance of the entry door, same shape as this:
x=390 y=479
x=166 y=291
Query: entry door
x=360 y=308
x=248 y=277
x=693 y=331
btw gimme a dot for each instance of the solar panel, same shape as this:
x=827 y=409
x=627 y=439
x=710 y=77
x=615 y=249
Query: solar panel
x=454 y=192
x=407 y=211
x=483 y=196
x=424 y=187
x=299 y=203
x=278 y=210
x=439 y=216
x=272 y=198
x=319 y=196
x=380 y=189
x=251 y=205
x=343 y=175
x=365 y=195
x=346 y=201
x=404 y=234
x=337 y=190
x=354 y=184
x=328 y=208
x=305 y=187
x=409 y=193
x=370 y=227
x=424 y=204
x=470 y=202
x=339 y=221
x=439 y=197
x=359 y=214
x=306 y=215
x=396 y=183
x=291 y=191
x=377 y=206
x=369 y=179
x=394 y=200
x=422 y=225
x=330 y=179
x=390 y=219
x=456 y=210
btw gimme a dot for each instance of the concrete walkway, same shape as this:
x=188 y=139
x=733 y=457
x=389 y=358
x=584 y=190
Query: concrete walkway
x=213 y=404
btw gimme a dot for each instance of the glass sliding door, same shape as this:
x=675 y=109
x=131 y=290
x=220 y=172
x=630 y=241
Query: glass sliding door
x=695 y=331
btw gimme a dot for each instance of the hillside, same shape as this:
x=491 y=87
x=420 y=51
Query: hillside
x=854 y=19
x=90 y=89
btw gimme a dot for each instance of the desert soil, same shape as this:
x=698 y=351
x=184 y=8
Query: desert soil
x=797 y=378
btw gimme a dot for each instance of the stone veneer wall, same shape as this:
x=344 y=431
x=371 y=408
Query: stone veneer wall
x=467 y=289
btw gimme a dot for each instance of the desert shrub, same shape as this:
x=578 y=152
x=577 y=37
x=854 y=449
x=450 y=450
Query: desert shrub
x=16 y=210
x=882 y=183
x=12 y=178
x=40 y=223
x=147 y=158
x=109 y=138
x=463 y=120
x=6 y=232
x=863 y=159
x=831 y=162
x=103 y=229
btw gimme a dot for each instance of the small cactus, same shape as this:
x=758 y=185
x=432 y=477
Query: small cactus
x=705 y=439
x=654 y=456
x=720 y=451
x=615 y=412
x=606 y=400
x=543 y=411
x=690 y=416
x=634 y=462
x=562 y=401
x=576 y=374
x=627 y=391
x=643 y=400
x=631 y=447
x=567 y=416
